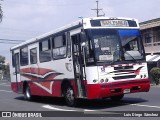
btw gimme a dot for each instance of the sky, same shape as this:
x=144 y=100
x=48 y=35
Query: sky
x=25 y=19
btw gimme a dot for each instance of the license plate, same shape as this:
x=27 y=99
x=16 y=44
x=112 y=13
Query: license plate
x=125 y=91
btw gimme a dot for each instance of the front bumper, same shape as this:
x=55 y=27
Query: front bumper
x=96 y=91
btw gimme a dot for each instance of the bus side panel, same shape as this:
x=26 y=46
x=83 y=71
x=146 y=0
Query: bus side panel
x=37 y=89
x=47 y=88
x=14 y=86
x=53 y=73
x=93 y=91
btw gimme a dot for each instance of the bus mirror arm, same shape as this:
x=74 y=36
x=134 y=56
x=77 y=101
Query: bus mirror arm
x=83 y=36
x=83 y=46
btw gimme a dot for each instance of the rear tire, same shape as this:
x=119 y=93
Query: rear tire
x=70 y=96
x=27 y=93
x=117 y=98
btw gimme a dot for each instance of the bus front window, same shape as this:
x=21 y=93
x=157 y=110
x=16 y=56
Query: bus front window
x=106 y=44
x=131 y=44
x=115 y=45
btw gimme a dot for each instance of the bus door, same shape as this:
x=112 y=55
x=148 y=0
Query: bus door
x=16 y=71
x=78 y=64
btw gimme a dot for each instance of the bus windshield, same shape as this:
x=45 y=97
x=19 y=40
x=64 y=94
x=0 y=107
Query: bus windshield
x=113 y=45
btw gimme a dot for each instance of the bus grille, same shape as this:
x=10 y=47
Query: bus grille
x=124 y=77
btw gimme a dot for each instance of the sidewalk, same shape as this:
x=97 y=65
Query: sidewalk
x=153 y=84
x=4 y=80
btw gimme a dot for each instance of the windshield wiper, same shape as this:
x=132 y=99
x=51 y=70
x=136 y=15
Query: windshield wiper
x=113 y=62
x=131 y=56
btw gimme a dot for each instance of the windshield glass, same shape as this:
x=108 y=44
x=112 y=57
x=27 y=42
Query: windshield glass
x=105 y=43
x=112 y=45
x=131 y=44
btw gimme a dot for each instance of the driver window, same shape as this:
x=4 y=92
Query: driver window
x=131 y=46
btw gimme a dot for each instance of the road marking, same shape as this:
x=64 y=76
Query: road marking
x=145 y=105
x=54 y=108
x=5 y=91
x=59 y=109
x=87 y=110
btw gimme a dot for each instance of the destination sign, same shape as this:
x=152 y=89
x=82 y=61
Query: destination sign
x=114 y=23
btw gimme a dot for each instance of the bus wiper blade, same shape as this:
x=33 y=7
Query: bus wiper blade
x=109 y=63
x=131 y=56
x=113 y=62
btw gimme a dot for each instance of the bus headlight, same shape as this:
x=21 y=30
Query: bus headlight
x=106 y=80
x=95 y=80
x=102 y=80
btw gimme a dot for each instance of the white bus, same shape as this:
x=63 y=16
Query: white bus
x=92 y=58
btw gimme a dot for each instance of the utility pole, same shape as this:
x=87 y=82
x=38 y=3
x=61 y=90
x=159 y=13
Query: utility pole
x=98 y=9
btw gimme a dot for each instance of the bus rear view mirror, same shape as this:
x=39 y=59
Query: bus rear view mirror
x=83 y=37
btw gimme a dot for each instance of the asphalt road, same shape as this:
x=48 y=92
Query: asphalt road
x=149 y=101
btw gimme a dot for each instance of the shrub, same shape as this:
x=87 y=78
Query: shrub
x=155 y=74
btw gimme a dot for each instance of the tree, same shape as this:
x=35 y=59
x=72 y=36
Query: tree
x=2 y=60
x=1 y=12
x=2 y=66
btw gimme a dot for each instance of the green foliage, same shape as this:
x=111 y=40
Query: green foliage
x=2 y=60
x=4 y=69
x=155 y=73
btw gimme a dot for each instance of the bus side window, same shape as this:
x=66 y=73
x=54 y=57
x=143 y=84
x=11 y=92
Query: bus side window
x=59 y=47
x=33 y=56
x=24 y=56
x=45 y=51
x=13 y=59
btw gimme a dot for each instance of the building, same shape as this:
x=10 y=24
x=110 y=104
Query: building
x=150 y=31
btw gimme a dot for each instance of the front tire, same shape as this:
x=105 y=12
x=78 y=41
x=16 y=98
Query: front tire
x=117 y=98
x=69 y=96
x=27 y=93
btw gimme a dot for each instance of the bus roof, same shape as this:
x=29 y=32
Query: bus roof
x=86 y=25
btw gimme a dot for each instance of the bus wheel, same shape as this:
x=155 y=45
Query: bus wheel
x=117 y=98
x=69 y=96
x=27 y=93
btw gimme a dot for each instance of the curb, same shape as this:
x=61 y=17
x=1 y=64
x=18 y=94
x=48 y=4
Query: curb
x=4 y=81
x=154 y=85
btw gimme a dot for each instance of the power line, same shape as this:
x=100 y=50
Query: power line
x=19 y=30
x=50 y=4
x=8 y=42
x=11 y=40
